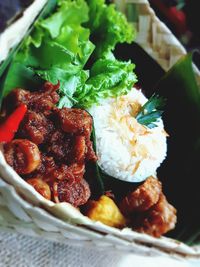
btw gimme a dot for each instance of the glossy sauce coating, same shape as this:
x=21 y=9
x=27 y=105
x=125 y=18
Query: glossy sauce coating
x=22 y=155
x=144 y=197
x=51 y=146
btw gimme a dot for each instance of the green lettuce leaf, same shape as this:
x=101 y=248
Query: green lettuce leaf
x=108 y=27
x=109 y=77
x=68 y=13
x=69 y=83
x=59 y=49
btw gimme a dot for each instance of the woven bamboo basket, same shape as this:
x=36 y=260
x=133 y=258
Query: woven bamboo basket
x=25 y=211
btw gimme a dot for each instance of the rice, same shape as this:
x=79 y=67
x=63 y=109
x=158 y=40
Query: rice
x=126 y=149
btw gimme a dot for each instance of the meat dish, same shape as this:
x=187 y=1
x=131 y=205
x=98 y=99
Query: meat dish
x=52 y=149
x=52 y=145
x=76 y=125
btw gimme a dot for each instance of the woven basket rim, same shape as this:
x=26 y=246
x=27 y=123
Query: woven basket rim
x=63 y=218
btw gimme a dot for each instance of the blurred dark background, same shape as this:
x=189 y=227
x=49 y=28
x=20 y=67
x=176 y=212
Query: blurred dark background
x=183 y=18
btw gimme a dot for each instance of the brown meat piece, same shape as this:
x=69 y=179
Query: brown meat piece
x=78 y=170
x=90 y=154
x=158 y=220
x=47 y=165
x=68 y=185
x=75 y=121
x=73 y=173
x=17 y=97
x=62 y=173
x=79 y=149
x=63 y=137
x=48 y=92
x=76 y=193
x=35 y=127
x=59 y=146
x=43 y=100
x=22 y=155
x=83 y=150
x=145 y=196
x=41 y=187
x=44 y=104
x=68 y=181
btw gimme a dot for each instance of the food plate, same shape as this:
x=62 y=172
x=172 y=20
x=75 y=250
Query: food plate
x=26 y=211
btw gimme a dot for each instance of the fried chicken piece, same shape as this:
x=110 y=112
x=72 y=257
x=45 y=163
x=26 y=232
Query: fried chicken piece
x=158 y=220
x=73 y=192
x=59 y=145
x=35 y=127
x=74 y=120
x=39 y=101
x=79 y=149
x=44 y=100
x=144 y=197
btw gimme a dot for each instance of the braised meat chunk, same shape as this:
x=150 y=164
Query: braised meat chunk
x=53 y=152
x=35 y=127
x=40 y=101
x=80 y=148
x=52 y=145
x=144 y=197
x=45 y=100
x=60 y=145
x=158 y=220
x=76 y=193
x=22 y=155
x=47 y=165
x=148 y=210
x=76 y=121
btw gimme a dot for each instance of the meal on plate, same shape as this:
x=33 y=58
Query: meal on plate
x=75 y=126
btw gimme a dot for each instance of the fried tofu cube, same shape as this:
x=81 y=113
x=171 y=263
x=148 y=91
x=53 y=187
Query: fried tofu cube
x=106 y=211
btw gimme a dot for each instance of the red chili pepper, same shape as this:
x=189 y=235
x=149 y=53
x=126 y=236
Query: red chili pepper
x=11 y=125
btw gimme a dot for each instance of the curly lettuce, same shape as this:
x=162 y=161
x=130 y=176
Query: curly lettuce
x=60 y=47
x=108 y=27
x=109 y=77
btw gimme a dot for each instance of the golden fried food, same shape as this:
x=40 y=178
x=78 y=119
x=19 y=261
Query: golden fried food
x=158 y=220
x=144 y=197
x=106 y=211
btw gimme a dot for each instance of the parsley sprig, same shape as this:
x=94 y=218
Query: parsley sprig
x=151 y=111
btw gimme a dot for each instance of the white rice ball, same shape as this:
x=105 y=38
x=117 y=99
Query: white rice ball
x=126 y=149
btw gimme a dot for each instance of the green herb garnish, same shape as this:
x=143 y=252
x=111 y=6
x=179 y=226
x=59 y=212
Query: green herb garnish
x=151 y=111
